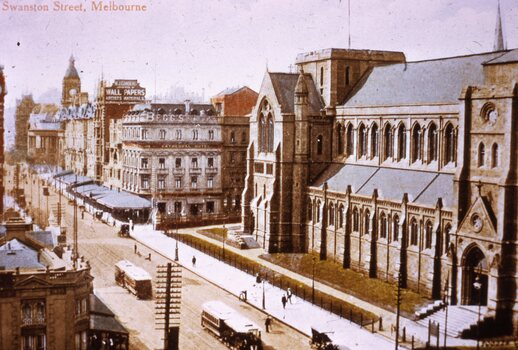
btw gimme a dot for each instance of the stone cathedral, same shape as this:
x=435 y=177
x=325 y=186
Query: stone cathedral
x=394 y=168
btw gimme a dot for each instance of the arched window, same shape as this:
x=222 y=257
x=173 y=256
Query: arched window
x=481 y=154
x=350 y=140
x=428 y=235
x=318 y=210
x=162 y=134
x=374 y=141
x=432 y=143
x=413 y=232
x=495 y=156
x=388 y=142
x=356 y=220
x=383 y=226
x=395 y=229
x=331 y=215
x=310 y=210
x=366 y=222
x=401 y=141
x=232 y=137
x=341 y=213
x=320 y=141
x=339 y=139
x=449 y=144
x=321 y=76
x=417 y=143
x=362 y=141
x=447 y=231
x=262 y=134
x=270 y=133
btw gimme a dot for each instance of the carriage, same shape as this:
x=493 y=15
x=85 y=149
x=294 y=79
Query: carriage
x=232 y=328
x=134 y=279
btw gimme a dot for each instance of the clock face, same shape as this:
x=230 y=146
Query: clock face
x=72 y=92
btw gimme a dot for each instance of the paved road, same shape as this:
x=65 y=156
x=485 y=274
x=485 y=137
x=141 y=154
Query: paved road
x=99 y=244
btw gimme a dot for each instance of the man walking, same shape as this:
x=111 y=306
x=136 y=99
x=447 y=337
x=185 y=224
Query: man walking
x=193 y=261
x=268 y=323
x=284 y=301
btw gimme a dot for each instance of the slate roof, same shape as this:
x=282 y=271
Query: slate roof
x=45 y=238
x=433 y=81
x=230 y=91
x=508 y=57
x=422 y=187
x=170 y=108
x=70 y=178
x=15 y=254
x=284 y=86
x=98 y=307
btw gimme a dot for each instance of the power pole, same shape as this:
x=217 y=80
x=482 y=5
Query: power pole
x=168 y=303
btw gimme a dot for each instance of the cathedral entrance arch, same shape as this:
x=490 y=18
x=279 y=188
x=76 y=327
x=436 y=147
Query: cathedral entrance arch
x=474 y=276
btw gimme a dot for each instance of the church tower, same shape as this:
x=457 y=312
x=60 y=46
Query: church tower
x=71 y=84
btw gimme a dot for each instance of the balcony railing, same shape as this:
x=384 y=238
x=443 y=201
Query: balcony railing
x=211 y=170
x=195 y=170
x=33 y=321
x=178 y=171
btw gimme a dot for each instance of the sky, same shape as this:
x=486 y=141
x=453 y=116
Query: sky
x=205 y=46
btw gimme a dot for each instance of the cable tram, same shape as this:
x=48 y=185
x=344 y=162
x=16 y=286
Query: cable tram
x=134 y=279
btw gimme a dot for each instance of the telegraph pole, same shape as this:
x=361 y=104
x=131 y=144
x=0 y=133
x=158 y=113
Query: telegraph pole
x=168 y=300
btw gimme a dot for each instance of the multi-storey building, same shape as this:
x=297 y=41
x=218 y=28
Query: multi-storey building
x=44 y=135
x=233 y=107
x=172 y=153
x=396 y=169
x=79 y=141
x=24 y=108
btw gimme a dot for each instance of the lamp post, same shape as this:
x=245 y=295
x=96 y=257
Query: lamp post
x=446 y=308
x=398 y=307
x=478 y=286
x=264 y=298
x=224 y=236
x=313 y=283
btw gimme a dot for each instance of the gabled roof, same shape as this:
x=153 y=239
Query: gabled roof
x=284 y=87
x=508 y=57
x=15 y=254
x=422 y=187
x=423 y=82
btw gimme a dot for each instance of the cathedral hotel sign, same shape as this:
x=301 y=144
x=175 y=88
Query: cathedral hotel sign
x=125 y=91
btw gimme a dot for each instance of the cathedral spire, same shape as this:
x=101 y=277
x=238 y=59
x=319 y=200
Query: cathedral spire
x=499 y=44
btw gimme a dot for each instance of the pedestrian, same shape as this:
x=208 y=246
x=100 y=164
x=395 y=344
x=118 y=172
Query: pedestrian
x=135 y=248
x=289 y=294
x=284 y=301
x=258 y=279
x=193 y=261
x=268 y=323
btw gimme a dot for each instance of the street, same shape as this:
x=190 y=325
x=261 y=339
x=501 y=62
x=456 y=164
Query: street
x=100 y=244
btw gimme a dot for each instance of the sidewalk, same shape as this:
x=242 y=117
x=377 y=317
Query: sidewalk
x=300 y=315
x=389 y=318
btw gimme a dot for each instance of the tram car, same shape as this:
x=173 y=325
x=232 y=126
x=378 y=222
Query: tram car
x=134 y=279
x=232 y=328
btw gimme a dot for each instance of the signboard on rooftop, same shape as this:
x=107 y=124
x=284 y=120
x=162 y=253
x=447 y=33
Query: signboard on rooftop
x=125 y=91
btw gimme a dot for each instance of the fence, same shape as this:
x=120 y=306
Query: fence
x=322 y=300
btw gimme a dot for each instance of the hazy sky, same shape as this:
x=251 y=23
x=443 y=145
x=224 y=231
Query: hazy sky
x=217 y=44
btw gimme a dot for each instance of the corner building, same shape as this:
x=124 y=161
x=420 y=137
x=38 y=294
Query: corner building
x=392 y=167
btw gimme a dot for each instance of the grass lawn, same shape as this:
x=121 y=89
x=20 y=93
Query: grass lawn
x=215 y=233
x=371 y=290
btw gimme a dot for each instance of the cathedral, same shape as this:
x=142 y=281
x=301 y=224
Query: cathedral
x=399 y=170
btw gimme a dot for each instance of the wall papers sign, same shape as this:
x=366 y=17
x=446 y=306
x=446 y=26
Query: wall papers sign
x=125 y=91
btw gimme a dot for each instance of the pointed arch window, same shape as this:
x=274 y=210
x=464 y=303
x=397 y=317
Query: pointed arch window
x=388 y=144
x=428 y=235
x=432 y=143
x=374 y=141
x=310 y=210
x=318 y=210
x=366 y=222
x=320 y=144
x=362 y=141
x=356 y=220
x=447 y=231
x=270 y=133
x=331 y=215
x=417 y=143
x=413 y=232
x=395 y=229
x=449 y=144
x=265 y=124
x=262 y=134
x=350 y=140
x=495 y=156
x=481 y=154
x=341 y=213
x=383 y=226
x=339 y=139
x=401 y=140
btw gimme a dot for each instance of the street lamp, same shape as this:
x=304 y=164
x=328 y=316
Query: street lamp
x=478 y=286
x=446 y=302
x=313 y=283
x=264 y=298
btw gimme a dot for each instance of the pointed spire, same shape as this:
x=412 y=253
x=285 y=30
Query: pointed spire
x=71 y=71
x=301 y=88
x=499 y=44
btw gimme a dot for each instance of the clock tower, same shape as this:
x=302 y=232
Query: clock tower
x=71 y=85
